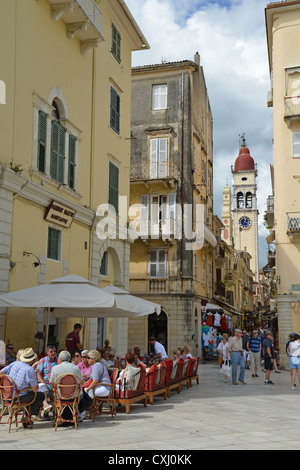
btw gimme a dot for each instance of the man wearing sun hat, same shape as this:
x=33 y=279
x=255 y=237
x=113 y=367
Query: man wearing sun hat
x=24 y=377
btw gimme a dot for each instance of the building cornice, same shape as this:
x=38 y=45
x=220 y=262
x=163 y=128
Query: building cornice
x=22 y=186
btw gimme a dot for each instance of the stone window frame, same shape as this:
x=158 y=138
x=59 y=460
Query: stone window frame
x=40 y=104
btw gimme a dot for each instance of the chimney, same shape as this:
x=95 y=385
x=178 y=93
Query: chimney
x=197 y=58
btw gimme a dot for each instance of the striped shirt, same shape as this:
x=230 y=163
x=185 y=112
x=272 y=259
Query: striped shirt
x=254 y=344
x=23 y=375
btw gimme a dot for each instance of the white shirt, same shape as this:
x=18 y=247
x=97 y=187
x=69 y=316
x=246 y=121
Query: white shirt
x=158 y=348
x=294 y=348
x=222 y=348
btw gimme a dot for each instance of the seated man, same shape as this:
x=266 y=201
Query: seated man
x=160 y=352
x=64 y=366
x=43 y=371
x=137 y=352
x=10 y=354
x=24 y=377
x=105 y=358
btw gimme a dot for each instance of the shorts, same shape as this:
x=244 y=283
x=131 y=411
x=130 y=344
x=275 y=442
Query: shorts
x=268 y=363
x=294 y=362
x=255 y=359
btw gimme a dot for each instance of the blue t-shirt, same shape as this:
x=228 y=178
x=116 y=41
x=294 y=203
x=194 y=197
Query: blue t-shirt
x=254 y=344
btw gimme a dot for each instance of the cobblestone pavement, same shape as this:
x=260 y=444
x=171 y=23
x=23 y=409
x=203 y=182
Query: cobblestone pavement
x=212 y=416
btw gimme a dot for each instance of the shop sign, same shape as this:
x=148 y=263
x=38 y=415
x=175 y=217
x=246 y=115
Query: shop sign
x=59 y=214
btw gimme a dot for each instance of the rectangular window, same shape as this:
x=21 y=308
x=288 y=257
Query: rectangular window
x=158 y=263
x=57 y=155
x=115 y=43
x=42 y=142
x=72 y=161
x=104 y=264
x=158 y=158
x=54 y=244
x=114 y=110
x=159 y=97
x=113 y=186
x=296 y=144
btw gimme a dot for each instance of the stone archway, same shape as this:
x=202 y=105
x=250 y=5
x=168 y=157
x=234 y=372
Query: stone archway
x=158 y=327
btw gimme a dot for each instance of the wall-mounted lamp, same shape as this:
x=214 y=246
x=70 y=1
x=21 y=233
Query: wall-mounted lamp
x=12 y=264
x=35 y=264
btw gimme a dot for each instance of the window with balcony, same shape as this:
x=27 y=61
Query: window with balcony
x=158 y=215
x=159 y=158
x=159 y=97
x=158 y=263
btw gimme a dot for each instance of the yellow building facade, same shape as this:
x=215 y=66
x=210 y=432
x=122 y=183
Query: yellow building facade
x=283 y=37
x=64 y=153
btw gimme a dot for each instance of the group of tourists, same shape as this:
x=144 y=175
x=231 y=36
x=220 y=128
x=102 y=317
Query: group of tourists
x=248 y=351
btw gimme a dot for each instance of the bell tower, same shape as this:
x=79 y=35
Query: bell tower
x=244 y=212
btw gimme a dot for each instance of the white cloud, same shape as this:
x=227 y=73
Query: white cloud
x=231 y=40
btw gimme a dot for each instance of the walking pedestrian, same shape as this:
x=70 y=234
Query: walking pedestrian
x=254 y=348
x=269 y=356
x=224 y=353
x=235 y=348
x=294 y=352
x=245 y=339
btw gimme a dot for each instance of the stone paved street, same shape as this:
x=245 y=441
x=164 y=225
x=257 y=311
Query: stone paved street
x=211 y=415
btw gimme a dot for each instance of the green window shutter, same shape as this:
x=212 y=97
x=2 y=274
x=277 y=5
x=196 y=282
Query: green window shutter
x=57 y=156
x=113 y=188
x=42 y=142
x=72 y=161
x=53 y=244
x=114 y=110
x=115 y=43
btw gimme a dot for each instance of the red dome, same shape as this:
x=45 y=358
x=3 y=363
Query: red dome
x=244 y=161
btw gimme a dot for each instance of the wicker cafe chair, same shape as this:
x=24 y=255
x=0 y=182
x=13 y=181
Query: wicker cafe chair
x=66 y=394
x=10 y=397
x=98 y=402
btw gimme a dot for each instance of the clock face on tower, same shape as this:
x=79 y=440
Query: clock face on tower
x=244 y=222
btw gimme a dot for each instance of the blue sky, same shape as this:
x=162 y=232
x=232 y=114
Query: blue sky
x=230 y=37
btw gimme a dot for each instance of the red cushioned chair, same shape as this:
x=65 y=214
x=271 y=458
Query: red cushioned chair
x=184 y=377
x=97 y=406
x=155 y=383
x=66 y=395
x=127 y=397
x=192 y=370
x=174 y=378
x=11 y=402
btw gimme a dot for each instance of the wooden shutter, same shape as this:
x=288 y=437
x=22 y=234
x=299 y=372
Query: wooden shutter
x=116 y=43
x=113 y=190
x=114 y=110
x=57 y=157
x=53 y=244
x=72 y=161
x=162 y=157
x=171 y=213
x=42 y=142
x=153 y=157
x=144 y=216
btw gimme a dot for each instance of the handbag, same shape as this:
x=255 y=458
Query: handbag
x=226 y=369
x=220 y=359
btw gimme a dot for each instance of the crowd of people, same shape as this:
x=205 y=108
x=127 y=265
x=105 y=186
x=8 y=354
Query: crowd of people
x=91 y=367
x=256 y=350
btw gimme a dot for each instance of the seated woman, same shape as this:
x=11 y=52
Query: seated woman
x=130 y=369
x=187 y=351
x=75 y=357
x=99 y=374
x=84 y=365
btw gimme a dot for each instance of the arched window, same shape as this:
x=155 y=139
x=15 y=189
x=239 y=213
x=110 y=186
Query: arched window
x=240 y=201
x=249 y=200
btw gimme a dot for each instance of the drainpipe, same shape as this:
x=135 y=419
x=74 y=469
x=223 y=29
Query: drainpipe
x=181 y=188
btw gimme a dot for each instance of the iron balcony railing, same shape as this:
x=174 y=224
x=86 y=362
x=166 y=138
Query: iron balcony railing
x=293 y=222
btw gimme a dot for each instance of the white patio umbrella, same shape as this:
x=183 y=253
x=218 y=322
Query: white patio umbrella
x=73 y=296
x=145 y=307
